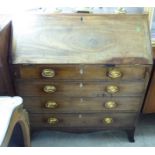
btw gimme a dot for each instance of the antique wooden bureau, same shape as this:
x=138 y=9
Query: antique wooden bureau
x=81 y=72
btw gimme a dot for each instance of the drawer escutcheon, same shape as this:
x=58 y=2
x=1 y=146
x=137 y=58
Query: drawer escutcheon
x=53 y=121
x=48 y=73
x=51 y=105
x=49 y=89
x=114 y=74
x=108 y=120
x=112 y=89
x=110 y=104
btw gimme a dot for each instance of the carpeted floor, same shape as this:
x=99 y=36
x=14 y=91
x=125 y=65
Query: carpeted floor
x=144 y=137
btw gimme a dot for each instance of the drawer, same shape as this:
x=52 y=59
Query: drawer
x=79 y=89
x=102 y=120
x=85 y=105
x=85 y=72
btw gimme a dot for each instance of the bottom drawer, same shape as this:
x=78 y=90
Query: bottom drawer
x=99 y=120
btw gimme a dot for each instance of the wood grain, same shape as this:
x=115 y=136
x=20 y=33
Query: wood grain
x=84 y=120
x=81 y=105
x=78 y=89
x=81 y=39
x=79 y=72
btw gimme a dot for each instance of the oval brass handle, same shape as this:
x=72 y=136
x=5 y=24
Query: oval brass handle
x=112 y=89
x=114 y=74
x=110 y=104
x=49 y=89
x=53 y=121
x=51 y=105
x=48 y=73
x=108 y=120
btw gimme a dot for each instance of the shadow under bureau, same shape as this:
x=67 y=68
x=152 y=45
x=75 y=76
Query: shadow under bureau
x=81 y=72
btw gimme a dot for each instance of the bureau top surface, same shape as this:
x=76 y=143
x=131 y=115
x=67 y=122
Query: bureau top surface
x=81 y=39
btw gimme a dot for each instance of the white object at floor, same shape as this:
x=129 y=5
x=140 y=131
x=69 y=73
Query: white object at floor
x=7 y=106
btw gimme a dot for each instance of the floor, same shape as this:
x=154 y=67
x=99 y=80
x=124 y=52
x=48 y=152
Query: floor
x=144 y=137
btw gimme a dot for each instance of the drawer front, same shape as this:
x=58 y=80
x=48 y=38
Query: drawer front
x=85 y=72
x=79 y=89
x=83 y=120
x=85 y=105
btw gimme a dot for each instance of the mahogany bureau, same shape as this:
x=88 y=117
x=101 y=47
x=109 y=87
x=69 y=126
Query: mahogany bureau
x=81 y=72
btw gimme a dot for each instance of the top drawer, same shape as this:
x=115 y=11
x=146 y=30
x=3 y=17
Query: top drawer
x=79 y=72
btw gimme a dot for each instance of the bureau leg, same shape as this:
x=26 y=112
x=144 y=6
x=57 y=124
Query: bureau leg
x=130 y=134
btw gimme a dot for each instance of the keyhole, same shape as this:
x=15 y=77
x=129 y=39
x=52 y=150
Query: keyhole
x=80 y=116
x=81 y=100
x=81 y=85
x=81 y=71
